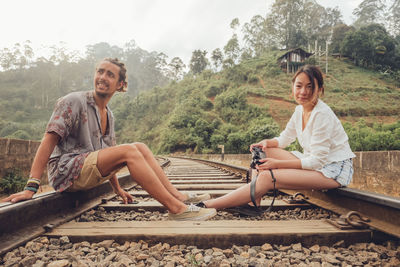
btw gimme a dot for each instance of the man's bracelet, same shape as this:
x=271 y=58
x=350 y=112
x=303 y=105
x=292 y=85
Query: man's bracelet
x=32 y=184
x=33 y=189
x=33 y=180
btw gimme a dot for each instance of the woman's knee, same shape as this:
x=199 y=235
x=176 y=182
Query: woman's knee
x=279 y=153
x=265 y=179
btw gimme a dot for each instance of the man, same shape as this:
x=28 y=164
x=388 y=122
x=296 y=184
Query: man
x=80 y=150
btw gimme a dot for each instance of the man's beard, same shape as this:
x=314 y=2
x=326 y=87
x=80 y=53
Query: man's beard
x=101 y=95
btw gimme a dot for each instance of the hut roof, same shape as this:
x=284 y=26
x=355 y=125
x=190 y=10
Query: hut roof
x=299 y=50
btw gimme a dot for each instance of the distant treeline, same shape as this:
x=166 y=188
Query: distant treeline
x=177 y=110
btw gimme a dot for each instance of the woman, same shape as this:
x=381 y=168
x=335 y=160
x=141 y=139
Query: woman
x=327 y=159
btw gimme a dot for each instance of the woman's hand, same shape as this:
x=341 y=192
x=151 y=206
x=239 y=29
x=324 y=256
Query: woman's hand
x=262 y=144
x=126 y=197
x=268 y=163
x=20 y=196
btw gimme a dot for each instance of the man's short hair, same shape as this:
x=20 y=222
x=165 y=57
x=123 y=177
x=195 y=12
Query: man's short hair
x=122 y=72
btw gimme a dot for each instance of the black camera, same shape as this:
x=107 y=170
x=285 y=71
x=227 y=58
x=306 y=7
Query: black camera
x=257 y=154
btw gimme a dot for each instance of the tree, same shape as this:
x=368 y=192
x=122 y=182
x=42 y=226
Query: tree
x=368 y=12
x=217 y=58
x=284 y=23
x=7 y=59
x=102 y=50
x=371 y=46
x=234 y=24
x=232 y=49
x=161 y=63
x=338 y=34
x=394 y=18
x=198 y=62
x=176 y=67
x=256 y=36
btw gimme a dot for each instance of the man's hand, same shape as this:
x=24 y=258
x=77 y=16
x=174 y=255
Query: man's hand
x=126 y=197
x=20 y=196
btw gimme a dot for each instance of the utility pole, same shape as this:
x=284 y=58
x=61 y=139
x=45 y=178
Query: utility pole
x=326 y=59
x=222 y=147
x=315 y=50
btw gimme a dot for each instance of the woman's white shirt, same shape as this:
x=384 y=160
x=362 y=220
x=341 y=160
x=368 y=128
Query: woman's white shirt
x=323 y=139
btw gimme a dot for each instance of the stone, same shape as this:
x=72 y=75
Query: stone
x=339 y=244
x=266 y=247
x=9 y=255
x=84 y=244
x=252 y=252
x=40 y=263
x=170 y=264
x=124 y=261
x=157 y=255
x=198 y=257
x=236 y=249
x=80 y=264
x=110 y=257
x=64 y=240
x=106 y=243
x=330 y=259
x=225 y=263
x=22 y=251
x=12 y=262
x=142 y=256
x=297 y=247
x=228 y=253
x=43 y=240
x=284 y=248
x=315 y=248
x=59 y=263
x=218 y=253
x=54 y=241
x=207 y=259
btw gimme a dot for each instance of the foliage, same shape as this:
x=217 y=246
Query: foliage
x=363 y=137
x=230 y=102
x=371 y=46
x=369 y=12
x=12 y=181
x=198 y=62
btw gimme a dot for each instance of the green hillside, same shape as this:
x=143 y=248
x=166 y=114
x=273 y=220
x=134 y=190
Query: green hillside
x=252 y=100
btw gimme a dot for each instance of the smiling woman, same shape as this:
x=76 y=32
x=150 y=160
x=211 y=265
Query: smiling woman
x=327 y=159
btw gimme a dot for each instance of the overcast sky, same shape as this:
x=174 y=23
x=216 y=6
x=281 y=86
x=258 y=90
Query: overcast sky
x=175 y=27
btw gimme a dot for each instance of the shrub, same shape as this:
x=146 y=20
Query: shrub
x=12 y=182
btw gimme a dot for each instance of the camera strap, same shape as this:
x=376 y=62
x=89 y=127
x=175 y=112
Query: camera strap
x=253 y=191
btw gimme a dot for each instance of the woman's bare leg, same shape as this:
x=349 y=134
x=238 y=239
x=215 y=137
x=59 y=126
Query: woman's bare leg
x=275 y=153
x=141 y=171
x=285 y=179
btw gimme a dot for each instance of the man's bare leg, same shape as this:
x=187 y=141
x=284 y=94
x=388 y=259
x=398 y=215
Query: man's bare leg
x=149 y=157
x=113 y=157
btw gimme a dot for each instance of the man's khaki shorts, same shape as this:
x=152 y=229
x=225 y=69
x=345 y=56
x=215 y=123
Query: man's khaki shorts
x=90 y=175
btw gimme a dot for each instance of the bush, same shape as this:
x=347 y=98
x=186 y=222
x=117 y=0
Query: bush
x=20 y=134
x=379 y=137
x=12 y=182
x=253 y=79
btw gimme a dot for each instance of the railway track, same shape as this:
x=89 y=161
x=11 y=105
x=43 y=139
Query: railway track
x=303 y=227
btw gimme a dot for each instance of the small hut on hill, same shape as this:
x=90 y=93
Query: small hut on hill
x=291 y=60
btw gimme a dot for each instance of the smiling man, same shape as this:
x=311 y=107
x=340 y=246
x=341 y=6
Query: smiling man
x=80 y=150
